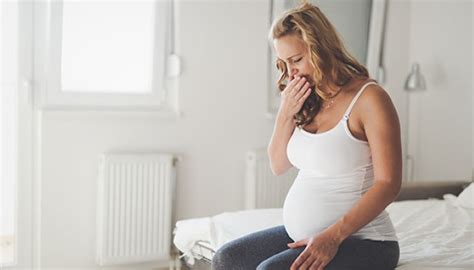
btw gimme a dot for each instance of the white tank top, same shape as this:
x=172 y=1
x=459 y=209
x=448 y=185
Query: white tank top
x=335 y=170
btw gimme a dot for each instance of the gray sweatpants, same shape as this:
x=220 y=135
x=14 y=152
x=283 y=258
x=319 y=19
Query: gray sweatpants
x=268 y=250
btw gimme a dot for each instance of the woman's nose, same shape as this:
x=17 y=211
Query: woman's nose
x=293 y=74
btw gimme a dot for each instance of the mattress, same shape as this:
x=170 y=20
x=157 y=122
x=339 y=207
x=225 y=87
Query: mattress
x=433 y=234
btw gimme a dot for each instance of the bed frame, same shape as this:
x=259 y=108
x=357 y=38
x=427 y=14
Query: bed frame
x=430 y=189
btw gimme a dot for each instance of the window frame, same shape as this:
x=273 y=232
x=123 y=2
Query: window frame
x=47 y=75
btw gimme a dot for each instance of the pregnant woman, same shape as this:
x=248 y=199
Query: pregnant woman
x=341 y=130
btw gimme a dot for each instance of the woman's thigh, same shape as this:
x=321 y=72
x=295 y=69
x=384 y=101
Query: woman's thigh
x=248 y=251
x=365 y=254
x=353 y=254
x=282 y=260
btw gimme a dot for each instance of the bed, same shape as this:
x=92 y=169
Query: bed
x=434 y=224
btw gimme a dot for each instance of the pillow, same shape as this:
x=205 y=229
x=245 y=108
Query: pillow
x=466 y=198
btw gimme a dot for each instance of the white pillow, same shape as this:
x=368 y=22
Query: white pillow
x=466 y=198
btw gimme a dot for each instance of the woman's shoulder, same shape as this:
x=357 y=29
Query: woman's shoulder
x=372 y=91
x=375 y=102
x=374 y=96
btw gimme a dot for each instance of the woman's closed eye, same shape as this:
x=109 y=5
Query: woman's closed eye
x=293 y=62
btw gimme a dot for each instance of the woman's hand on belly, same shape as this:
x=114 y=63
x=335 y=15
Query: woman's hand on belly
x=320 y=250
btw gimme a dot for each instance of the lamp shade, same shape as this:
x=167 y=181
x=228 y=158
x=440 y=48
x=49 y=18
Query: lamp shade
x=415 y=80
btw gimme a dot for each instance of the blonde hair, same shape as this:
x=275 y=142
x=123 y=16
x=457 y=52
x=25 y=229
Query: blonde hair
x=328 y=56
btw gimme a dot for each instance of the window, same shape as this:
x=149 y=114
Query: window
x=103 y=54
x=107 y=47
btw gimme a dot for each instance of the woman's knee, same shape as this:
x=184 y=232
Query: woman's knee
x=227 y=257
x=272 y=264
x=266 y=265
x=281 y=261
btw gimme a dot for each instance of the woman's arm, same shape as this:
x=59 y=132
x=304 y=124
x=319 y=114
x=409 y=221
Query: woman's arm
x=382 y=128
x=292 y=99
x=284 y=126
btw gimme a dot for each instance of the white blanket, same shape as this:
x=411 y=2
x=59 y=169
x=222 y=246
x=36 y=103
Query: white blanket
x=433 y=234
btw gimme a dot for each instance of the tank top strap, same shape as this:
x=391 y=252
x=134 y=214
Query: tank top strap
x=349 y=109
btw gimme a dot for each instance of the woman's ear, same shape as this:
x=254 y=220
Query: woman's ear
x=281 y=66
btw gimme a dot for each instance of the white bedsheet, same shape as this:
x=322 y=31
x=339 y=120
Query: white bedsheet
x=433 y=234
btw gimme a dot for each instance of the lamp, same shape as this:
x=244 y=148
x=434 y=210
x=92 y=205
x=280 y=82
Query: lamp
x=415 y=80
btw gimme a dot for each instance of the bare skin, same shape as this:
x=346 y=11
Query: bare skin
x=373 y=119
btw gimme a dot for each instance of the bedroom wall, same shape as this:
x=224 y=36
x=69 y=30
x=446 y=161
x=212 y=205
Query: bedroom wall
x=222 y=97
x=441 y=41
x=437 y=133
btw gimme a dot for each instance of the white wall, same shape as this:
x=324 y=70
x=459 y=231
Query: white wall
x=440 y=40
x=8 y=115
x=438 y=132
x=222 y=96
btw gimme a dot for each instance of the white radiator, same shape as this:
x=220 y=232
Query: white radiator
x=263 y=189
x=134 y=208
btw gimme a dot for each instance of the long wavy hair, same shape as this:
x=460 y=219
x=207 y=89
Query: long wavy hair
x=328 y=56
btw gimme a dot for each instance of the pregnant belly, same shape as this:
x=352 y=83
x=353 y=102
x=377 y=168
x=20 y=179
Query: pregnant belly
x=312 y=206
